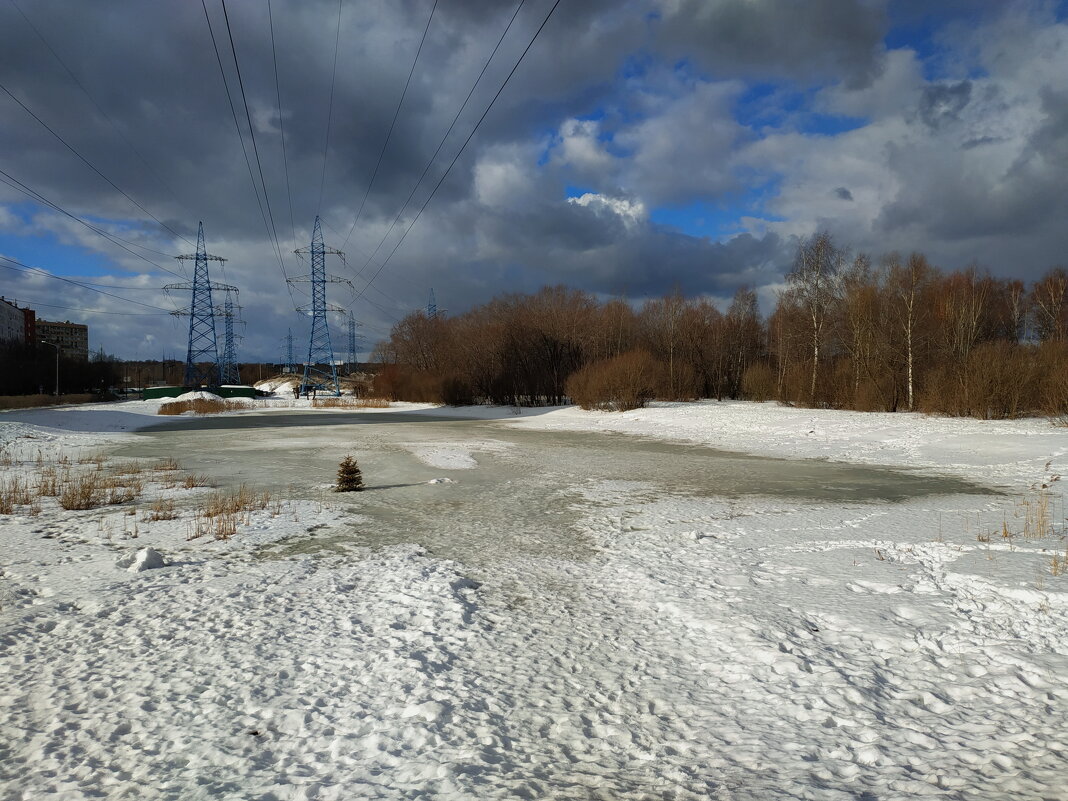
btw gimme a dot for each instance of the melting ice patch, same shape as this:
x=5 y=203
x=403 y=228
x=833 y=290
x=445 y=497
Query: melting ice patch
x=454 y=455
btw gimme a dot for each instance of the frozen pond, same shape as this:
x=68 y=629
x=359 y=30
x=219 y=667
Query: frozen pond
x=502 y=492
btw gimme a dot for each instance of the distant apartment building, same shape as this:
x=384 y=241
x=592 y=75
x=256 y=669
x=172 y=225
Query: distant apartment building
x=12 y=322
x=71 y=338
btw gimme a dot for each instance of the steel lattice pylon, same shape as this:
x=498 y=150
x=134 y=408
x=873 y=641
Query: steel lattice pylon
x=202 y=356
x=229 y=372
x=431 y=306
x=288 y=367
x=352 y=342
x=320 y=370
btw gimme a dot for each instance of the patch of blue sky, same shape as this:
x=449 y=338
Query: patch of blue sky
x=44 y=249
x=779 y=106
x=923 y=33
x=572 y=190
x=716 y=219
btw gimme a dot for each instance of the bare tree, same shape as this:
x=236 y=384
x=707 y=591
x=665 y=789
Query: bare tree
x=1049 y=306
x=815 y=281
x=905 y=287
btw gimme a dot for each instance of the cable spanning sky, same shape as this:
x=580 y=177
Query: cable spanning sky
x=625 y=147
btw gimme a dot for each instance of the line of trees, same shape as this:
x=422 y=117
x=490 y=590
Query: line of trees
x=846 y=332
x=27 y=369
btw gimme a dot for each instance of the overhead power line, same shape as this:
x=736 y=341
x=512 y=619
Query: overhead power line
x=88 y=163
x=16 y=184
x=393 y=123
x=452 y=164
x=441 y=144
x=18 y=266
x=36 y=304
x=96 y=105
x=330 y=110
x=281 y=125
x=241 y=139
x=251 y=129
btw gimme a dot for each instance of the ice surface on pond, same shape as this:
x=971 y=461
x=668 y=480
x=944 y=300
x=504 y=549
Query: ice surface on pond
x=620 y=617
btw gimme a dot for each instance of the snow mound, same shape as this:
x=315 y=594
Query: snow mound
x=144 y=559
x=198 y=395
x=441 y=481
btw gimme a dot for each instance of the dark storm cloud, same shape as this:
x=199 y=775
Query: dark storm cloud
x=655 y=133
x=816 y=39
x=943 y=103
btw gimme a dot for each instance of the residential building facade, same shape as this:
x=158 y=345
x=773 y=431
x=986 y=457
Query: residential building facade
x=12 y=323
x=71 y=338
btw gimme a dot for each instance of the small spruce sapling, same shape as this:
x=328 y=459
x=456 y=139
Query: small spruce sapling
x=349 y=477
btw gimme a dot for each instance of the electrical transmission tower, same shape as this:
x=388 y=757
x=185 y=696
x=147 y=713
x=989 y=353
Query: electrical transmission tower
x=432 y=310
x=352 y=342
x=229 y=372
x=202 y=357
x=288 y=367
x=320 y=371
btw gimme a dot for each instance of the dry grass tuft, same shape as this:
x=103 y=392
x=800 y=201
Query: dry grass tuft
x=14 y=492
x=349 y=403
x=85 y=491
x=166 y=465
x=201 y=406
x=221 y=512
x=191 y=480
x=48 y=482
x=161 y=509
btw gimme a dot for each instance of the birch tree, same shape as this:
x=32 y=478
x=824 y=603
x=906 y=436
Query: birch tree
x=815 y=282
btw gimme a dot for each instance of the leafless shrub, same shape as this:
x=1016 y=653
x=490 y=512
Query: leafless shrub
x=758 y=382
x=624 y=382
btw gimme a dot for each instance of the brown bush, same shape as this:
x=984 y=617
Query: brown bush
x=676 y=384
x=758 y=382
x=401 y=383
x=999 y=380
x=623 y=382
x=1051 y=367
x=201 y=406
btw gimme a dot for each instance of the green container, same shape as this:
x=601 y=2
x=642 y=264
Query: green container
x=151 y=393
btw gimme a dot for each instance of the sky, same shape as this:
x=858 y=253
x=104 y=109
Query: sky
x=624 y=147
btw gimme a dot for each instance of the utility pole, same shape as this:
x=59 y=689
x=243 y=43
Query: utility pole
x=202 y=343
x=320 y=371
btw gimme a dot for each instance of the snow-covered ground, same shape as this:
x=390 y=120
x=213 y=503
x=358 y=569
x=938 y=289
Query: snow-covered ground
x=666 y=643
